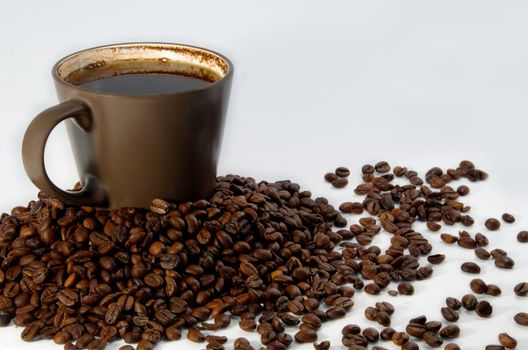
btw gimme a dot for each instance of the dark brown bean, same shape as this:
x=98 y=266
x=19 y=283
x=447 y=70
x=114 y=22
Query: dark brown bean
x=522 y=237
x=507 y=341
x=470 y=267
x=508 y=218
x=484 y=309
x=521 y=318
x=342 y=171
x=492 y=224
x=306 y=336
x=521 y=289
x=504 y=262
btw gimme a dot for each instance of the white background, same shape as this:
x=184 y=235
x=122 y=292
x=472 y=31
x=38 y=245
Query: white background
x=317 y=85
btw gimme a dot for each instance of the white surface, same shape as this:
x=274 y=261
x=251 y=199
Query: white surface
x=317 y=85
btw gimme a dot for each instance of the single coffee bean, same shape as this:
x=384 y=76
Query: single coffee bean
x=433 y=226
x=470 y=267
x=497 y=253
x=504 y=262
x=469 y=302
x=481 y=240
x=522 y=236
x=449 y=314
x=340 y=182
x=450 y=331
x=492 y=224
x=367 y=169
x=416 y=329
x=478 y=286
x=195 y=335
x=410 y=345
x=432 y=339
x=387 y=333
x=482 y=253
x=371 y=334
x=400 y=338
x=493 y=290
x=453 y=303
x=508 y=218
x=494 y=347
x=521 y=318
x=382 y=167
x=329 y=177
x=436 y=259
x=342 y=171
x=306 y=336
x=126 y=347
x=5 y=318
x=521 y=289
x=405 y=288
x=507 y=341
x=484 y=309
x=350 y=329
x=449 y=239
x=451 y=346
x=324 y=345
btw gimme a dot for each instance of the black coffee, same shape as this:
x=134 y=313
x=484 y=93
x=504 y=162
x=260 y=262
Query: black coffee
x=144 y=84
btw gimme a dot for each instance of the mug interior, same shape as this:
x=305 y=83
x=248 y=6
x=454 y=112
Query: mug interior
x=141 y=58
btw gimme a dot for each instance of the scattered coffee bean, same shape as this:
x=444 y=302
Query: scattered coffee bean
x=382 y=167
x=405 y=288
x=478 y=286
x=493 y=290
x=469 y=302
x=492 y=224
x=432 y=339
x=494 y=347
x=521 y=318
x=508 y=218
x=482 y=254
x=400 y=338
x=342 y=171
x=436 y=258
x=330 y=177
x=522 y=236
x=371 y=334
x=451 y=346
x=306 y=336
x=484 y=309
x=340 y=182
x=521 y=289
x=449 y=314
x=504 y=262
x=453 y=303
x=507 y=341
x=387 y=333
x=324 y=345
x=450 y=331
x=470 y=267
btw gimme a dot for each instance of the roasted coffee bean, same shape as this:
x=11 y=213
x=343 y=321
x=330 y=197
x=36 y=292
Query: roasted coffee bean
x=340 y=182
x=173 y=333
x=410 y=345
x=451 y=346
x=306 y=336
x=522 y=236
x=493 y=290
x=492 y=224
x=405 y=288
x=367 y=169
x=450 y=331
x=387 y=333
x=126 y=347
x=521 y=318
x=436 y=259
x=484 y=309
x=494 y=347
x=449 y=239
x=382 y=167
x=482 y=254
x=5 y=318
x=416 y=329
x=449 y=314
x=508 y=218
x=453 y=303
x=521 y=289
x=195 y=335
x=342 y=171
x=469 y=302
x=324 y=345
x=470 y=267
x=507 y=341
x=478 y=286
x=248 y=325
x=432 y=339
x=400 y=338
x=497 y=253
x=329 y=177
x=371 y=334
x=504 y=262
x=350 y=329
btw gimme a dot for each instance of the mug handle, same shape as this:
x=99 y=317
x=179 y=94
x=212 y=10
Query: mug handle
x=34 y=144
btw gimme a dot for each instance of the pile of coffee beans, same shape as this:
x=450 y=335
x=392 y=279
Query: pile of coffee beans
x=266 y=256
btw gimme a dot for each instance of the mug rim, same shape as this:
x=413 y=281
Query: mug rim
x=58 y=79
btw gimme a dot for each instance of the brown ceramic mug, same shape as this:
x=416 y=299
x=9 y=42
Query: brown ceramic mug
x=132 y=148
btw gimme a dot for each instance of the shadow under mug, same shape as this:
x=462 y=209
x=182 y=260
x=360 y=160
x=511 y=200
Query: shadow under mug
x=130 y=149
